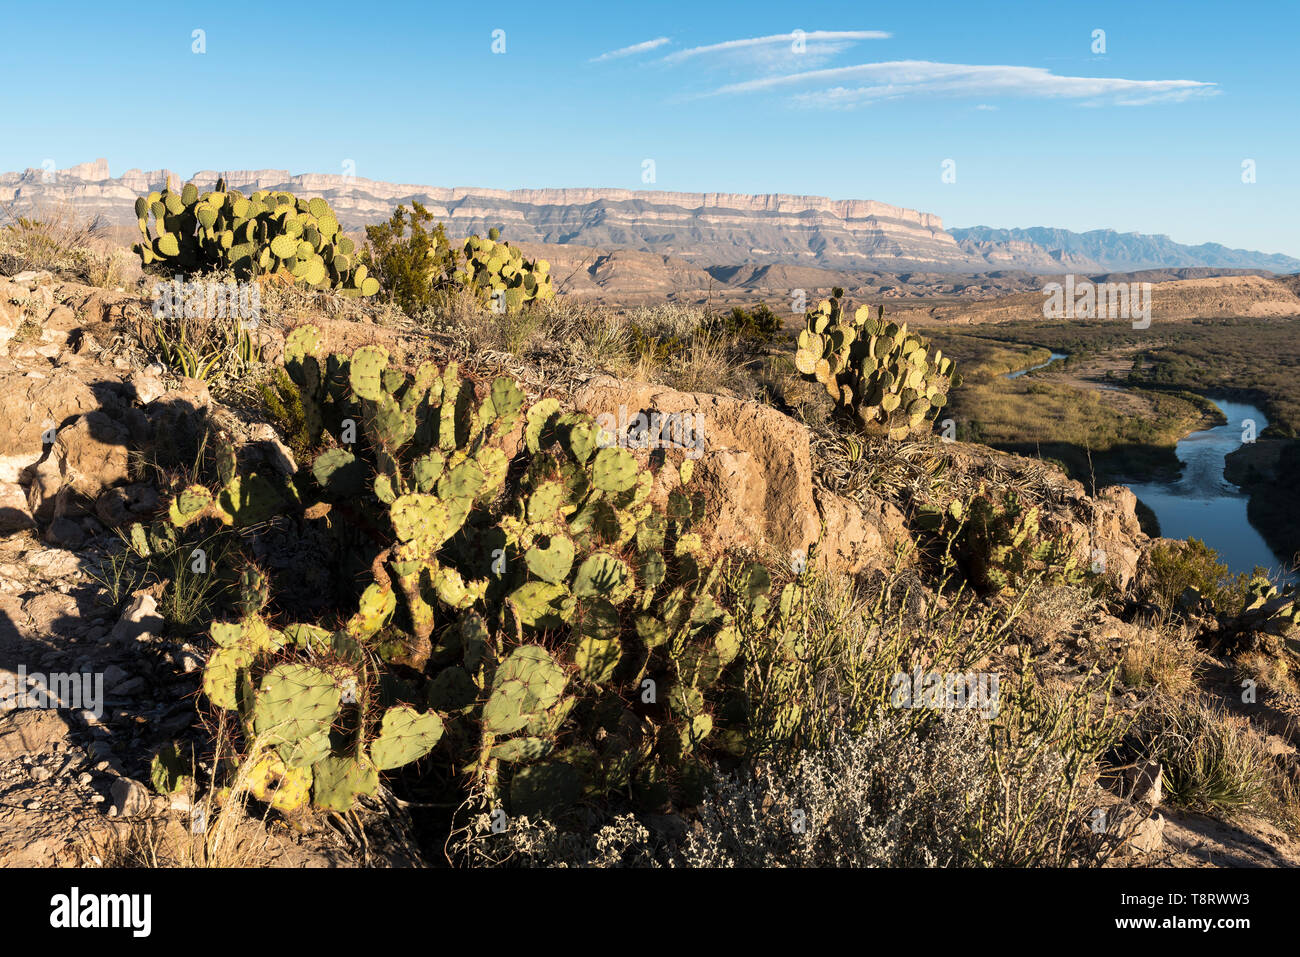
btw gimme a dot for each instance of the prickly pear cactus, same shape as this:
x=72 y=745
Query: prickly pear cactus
x=552 y=630
x=293 y=711
x=277 y=234
x=500 y=276
x=1000 y=542
x=1269 y=609
x=881 y=377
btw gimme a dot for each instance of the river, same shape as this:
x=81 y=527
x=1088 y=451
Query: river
x=1202 y=503
x=1019 y=372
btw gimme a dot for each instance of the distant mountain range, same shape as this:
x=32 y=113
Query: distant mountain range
x=1107 y=250
x=706 y=229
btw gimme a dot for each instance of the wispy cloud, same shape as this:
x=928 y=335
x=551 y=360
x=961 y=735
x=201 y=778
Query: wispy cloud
x=632 y=50
x=903 y=78
x=812 y=46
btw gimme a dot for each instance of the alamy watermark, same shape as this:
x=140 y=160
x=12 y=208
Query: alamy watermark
x=61 y=690
x=657 y=430
x=208 y=300
x=74 y=910
x=1083 y=299
x=972 y=691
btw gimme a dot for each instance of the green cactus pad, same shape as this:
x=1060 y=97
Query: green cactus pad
x=337 y=782
x=552 y=560
x=191 y=504
x=221 y=676
x=538 y=415
x=340 y=473
x=614 y=470
x=527 y=682
x=293 y=711
x=405 y=735
x=375 y=609
x=521 y=749
x=366 y=372
x=539 y=603
x=419 y=516
x=603 y=575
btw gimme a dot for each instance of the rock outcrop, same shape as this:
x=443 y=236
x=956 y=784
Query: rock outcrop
x=754 y=465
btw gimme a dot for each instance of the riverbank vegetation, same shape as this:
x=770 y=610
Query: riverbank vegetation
x=1162 y=374
x=1093 y=434
x=1253 y=359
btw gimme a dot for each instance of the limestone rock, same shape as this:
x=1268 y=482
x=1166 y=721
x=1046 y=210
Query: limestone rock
x=140 y=618
x=754 y=466
x=31 y=408
x=14 y=512
x=89 y=456
x=130 y=798
x=1143 y=836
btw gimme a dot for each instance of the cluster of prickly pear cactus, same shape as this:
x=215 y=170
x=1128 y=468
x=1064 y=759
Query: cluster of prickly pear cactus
x=254 y=590
x=501 y=277
x=266 y=233
x=1001 y=543
x=572 y=634
x=881 y=376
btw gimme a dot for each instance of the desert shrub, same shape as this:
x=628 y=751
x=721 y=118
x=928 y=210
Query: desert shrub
x=761 y=325
x=1048 y=746
x=418 y=266
x=884 y=798
x=656 y=350
x=954 y=792
x=536 y=619
x=622 y=841
x=1052 y=609
x=59 y=240
x=277 y=234
x=847 y=644
x=283 y=403
x=1177 y=566
x=410 y=261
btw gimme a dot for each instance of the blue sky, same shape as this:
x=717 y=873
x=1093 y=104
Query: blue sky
x=1149 y=135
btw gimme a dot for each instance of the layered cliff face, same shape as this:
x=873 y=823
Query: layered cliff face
x=712 y=228
x=706 y=229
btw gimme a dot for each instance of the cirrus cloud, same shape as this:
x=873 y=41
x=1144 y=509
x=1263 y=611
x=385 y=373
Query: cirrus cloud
x=903 y=78
x=634 y=49
x=806 y=48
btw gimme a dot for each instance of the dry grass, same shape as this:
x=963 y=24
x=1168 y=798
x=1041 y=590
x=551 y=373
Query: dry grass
x=66 y=243
x=664 y=344
x=1052 y=609
x=1161 y=659
x=220 y=833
